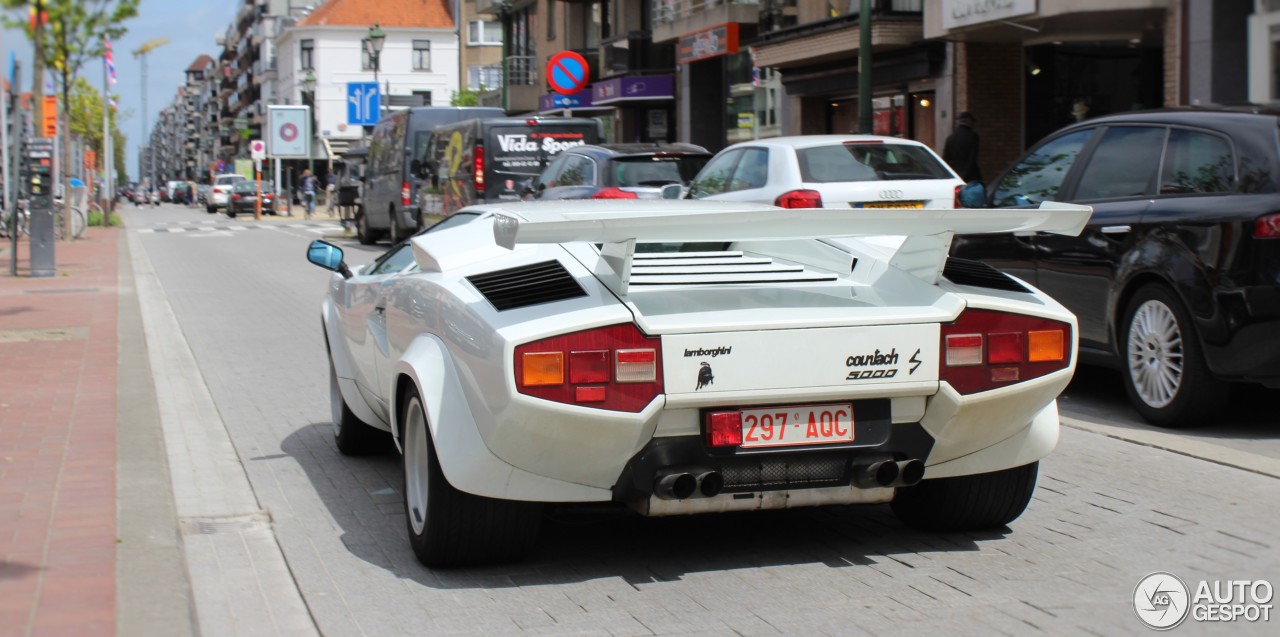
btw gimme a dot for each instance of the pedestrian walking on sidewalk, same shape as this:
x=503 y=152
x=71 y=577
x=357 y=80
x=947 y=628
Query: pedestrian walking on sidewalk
x=309 y=192
x=961 y=149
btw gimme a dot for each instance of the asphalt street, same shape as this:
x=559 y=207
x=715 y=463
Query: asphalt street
x=1107 y=511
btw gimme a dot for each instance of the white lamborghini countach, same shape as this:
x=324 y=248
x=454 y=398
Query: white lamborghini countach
x=682 y=357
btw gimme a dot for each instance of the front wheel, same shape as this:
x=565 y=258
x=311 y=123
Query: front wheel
x=967 y=503
x=1165 y=374
x=351 y=435
x=448 y=527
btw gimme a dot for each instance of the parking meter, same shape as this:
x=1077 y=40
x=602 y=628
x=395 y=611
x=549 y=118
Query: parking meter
x=39 y=185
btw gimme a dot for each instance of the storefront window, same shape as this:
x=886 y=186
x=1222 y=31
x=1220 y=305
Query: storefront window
x=752 y=107
x=888 y=116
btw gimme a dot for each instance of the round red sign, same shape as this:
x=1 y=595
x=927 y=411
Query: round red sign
x=567 y=72
x=288 y=132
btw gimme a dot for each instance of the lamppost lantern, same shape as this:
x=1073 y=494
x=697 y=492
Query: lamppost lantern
x=376 y=38
x=309 y=90
x=373 y=46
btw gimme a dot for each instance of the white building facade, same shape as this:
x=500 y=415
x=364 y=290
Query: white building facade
x=417 y=66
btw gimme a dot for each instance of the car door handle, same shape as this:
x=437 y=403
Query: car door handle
x=1115 y=229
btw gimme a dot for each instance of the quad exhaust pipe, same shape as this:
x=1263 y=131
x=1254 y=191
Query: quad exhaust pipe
x=681 y=484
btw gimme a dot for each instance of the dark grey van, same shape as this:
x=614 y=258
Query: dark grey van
x=483 y=161
x=391 y=180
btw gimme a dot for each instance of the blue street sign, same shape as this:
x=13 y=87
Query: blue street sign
x=364 y=102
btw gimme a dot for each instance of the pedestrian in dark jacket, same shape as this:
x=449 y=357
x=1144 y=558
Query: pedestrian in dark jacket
x=961 y=149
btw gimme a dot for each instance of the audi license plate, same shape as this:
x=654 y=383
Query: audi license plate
x=797 y=425
x=890 y=204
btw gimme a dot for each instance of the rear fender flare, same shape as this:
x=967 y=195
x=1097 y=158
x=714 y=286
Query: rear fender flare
x=465 y=459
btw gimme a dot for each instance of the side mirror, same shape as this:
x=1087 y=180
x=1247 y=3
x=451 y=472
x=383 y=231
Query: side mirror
x=672 y=191
x=328 y=256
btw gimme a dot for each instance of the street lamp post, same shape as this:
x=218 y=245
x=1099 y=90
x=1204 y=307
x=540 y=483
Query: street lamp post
x=309 y=88
x=373 y=46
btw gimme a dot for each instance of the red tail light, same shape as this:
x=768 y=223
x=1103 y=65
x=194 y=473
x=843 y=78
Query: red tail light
x=1267 y=227
x=478 y=158
x=235 y=197
x=613 y=193
x=404 y=194
x=984 y=349
x=955 y=200
x=799 y=199
x=616 y=368
x=724 y=429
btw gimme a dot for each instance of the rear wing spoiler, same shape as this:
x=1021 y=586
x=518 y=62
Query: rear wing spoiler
x=923 y=253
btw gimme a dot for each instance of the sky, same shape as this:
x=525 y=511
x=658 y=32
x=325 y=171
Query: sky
x=191 y=26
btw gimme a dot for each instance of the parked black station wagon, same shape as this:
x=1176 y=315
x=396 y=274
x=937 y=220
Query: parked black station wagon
x=1176 y=280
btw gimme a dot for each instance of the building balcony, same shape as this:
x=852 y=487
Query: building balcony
x=633 y=53
x=836 y=38
x=490 y=7
x=674 y=18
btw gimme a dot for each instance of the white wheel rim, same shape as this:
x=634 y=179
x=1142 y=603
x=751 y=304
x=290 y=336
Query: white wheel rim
x=1155 y=354
x=415 y=466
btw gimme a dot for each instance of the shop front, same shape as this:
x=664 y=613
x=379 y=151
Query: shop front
x=642 y=107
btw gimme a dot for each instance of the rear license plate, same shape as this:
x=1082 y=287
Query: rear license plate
x=890 y=204
x=797 y=425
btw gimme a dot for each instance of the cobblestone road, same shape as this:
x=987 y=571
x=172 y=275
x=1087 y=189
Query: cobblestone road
x=1106 y=512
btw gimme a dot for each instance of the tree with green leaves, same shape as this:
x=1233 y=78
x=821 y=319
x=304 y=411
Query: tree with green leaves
x=67 y=35
x=465 y=97
x=84 y=119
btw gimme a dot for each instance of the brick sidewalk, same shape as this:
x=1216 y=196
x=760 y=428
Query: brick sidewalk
x=58 y=368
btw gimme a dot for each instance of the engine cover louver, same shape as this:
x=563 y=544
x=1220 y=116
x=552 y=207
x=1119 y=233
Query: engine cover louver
x=527 y=285
x=716 y=268
x=979 y=275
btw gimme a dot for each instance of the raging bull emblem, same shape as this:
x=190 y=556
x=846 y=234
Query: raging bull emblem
x=705 y=377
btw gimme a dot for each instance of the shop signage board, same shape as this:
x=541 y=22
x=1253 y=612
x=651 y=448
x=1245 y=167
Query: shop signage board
x=708 y=43
x=567 y=72
x=633 y=89
x=963 y=13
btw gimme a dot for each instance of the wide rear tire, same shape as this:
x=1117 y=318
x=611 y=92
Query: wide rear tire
x=448 y=527
x=967 y=503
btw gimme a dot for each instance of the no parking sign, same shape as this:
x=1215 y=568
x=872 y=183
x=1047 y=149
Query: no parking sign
x=567 y=72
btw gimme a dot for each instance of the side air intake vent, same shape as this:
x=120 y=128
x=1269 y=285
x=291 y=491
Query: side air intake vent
x=979 y=275
x=527 y=285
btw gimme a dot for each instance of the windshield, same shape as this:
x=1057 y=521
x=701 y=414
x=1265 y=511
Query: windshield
x=657 y=171
x=869 y=162
x=227 y=180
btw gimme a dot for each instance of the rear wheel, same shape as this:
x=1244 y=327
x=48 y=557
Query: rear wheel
x=352 y=436
x=967 y=503
x=394 y=232
x=448 y=527
x=363 y=234
x=1165 y=374
x=231 y=212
